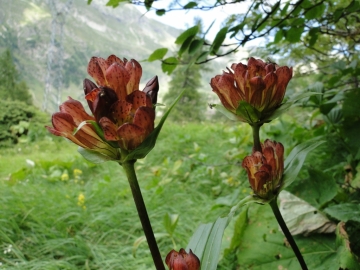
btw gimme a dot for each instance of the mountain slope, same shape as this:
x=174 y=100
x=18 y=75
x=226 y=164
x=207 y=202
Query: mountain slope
x=89 y=30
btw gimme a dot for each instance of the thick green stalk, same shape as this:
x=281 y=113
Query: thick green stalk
x=143 y=215
x=256 y=137
x=287 y=233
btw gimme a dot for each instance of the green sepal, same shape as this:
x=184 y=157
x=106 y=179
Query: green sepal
x=148 y=144
x=220 y=108
x=95 y=156
x=248 y=112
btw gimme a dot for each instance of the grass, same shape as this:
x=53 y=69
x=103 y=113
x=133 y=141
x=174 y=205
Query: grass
x=53 y=217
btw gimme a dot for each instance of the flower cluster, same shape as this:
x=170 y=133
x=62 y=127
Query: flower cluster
x=122 y=115
x=260 y=84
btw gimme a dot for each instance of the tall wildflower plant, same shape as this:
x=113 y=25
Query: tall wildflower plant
x=120 y=127
x=254 y=94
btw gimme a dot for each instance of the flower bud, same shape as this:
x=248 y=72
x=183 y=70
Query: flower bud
x=265 y=169
x=182 y=260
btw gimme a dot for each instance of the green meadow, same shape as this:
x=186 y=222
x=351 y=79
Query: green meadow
x=59 y=211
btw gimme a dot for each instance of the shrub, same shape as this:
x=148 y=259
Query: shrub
x=17 y=119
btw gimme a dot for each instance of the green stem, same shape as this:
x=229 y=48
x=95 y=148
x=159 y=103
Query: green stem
x=256 y=137
x=287 y=233
x=143 y=215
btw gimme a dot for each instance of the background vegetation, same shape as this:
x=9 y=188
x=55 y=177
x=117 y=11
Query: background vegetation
x=60 y=212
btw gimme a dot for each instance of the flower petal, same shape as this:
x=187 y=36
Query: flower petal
x=138 y=99
x=284 y=75
x=120 y=111
x=117 y=78
x=135 y=71
x=151 y=89
x=114 y=59
x=144 y=117
x=131 y=136
x=239 y=75
x=89 y=86
x=76 y=110
x=96 y=69
x=104 y=99
x=110 y=129
x=224 y=86
x=257 y=85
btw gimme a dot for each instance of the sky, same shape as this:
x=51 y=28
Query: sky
x=182 y=19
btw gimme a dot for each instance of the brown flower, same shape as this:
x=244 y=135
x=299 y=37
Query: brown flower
x=260 y=84
x=124 y=114
x=265 y=169
x=182 y=260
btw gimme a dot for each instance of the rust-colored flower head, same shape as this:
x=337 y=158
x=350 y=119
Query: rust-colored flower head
x=123 y=114
x=265 y=169
x=182 y=260
x=261 y=85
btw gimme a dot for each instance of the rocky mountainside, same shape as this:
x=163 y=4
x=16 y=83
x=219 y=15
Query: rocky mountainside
x=89 y=30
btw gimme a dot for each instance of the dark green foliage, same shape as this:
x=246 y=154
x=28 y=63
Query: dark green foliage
x=18 y=119
x=11 y=88
x=190 y=107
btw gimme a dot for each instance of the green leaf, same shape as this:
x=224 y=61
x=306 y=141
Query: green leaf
x=289 y=103
x=278 y=36
x=158 y=54
x=344 y=211
x=189 y=32
x=313 y=34
x=203 y=56
x=284 y=10
x=113 y=3
x=219 y=39
x=190 y=5
x=185 y=45
x=89 y=2
x=262 y=245
x=296 y=159
x=148 y=144
x=195 y=46
x=148 y=4
x=169 y=64
x=318 y=189
x=94 y=156
x=206 y=241
x=293 y=35
x=170 y=222
x=338 y=14
x=315 y=12
x=234 y=30
x=160 y=12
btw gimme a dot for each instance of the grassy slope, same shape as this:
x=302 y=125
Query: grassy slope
x=41 y=219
